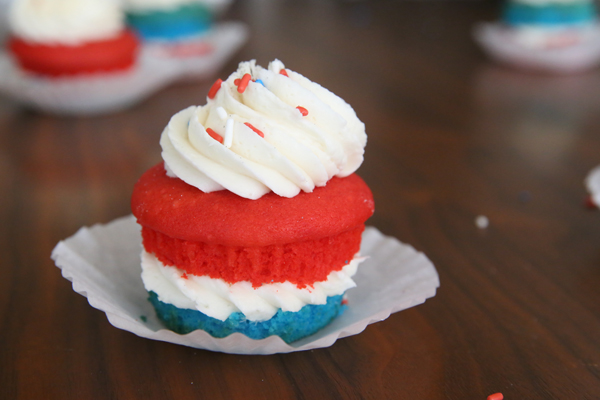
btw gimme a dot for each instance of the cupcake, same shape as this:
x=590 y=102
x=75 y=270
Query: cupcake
x=252 y=223
x=543 y=24
x=559 y=36
x=70 y=37
x=549 y=13
x=169 y=20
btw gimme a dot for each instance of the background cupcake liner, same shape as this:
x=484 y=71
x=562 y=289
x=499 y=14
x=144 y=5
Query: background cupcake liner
x=102 y=93
x=88 y=94
x=491 y=36
x=592 y=183
x=103 y=262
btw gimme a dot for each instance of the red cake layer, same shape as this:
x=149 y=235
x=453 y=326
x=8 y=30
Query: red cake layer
x=176 y=209
x=302 y=263
x=108 y=55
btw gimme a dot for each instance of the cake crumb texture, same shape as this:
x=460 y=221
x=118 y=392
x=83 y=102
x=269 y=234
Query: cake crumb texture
x=170 y=206
x=290 y=326
x=301 y=263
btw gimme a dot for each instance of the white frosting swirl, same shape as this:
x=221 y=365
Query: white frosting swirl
x=68 y=22
x=219 y=299
x=297 y=152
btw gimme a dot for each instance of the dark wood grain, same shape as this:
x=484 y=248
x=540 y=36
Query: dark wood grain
x=451 y=137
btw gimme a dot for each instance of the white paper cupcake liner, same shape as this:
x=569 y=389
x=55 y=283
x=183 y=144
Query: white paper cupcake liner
x=103 y=93
x=578 y=57
x=103 y=262
x=86 y=94
x=202 y=56
x=592 y=183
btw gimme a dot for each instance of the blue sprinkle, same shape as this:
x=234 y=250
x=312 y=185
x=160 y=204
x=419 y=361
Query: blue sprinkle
x=261 y=82
x=346 y=261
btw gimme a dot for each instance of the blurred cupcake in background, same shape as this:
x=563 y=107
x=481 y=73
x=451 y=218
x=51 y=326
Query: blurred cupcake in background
x=70 y=37
x=185 y=34
x=76 y=57
x=592 y=183
x=172 y=19
x=542 y=24
x=547 y=35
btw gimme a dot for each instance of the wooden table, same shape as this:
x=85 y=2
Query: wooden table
x=451 y=137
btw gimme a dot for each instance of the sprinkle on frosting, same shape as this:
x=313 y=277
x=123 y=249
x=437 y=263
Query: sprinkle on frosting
x=244 y=83
x=258 y=131
x=283 y=72
x=214 y=89
x=303 y=111
x=222 y=113
x=228 y=133
x=214 y=135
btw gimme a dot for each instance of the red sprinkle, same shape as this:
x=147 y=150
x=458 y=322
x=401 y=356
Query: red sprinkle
x=184 y=276
x=244 y=83
x=214 y=89
x=237 y=81
x=284 y=72
x=258 y=131
x=303 y=111
x=495 y=396
x=344 y=302
x=214 y=135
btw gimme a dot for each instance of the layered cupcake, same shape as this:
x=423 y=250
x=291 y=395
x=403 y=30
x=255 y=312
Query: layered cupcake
x=549 y=13
x=546 y=24
x=253 y=222
x=170 y=19
x=70 y=37
x=556 y=36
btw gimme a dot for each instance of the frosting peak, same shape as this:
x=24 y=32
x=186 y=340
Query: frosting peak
x=264 y=130
x=68 y=22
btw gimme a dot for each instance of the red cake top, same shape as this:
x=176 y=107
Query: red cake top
x=106 y=55
x=171 y=206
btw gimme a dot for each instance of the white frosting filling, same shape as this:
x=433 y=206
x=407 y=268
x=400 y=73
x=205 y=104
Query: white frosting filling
x=166 y=5
x=297 y=152
x=68 y=22
x=538 y=37
x=218 y=299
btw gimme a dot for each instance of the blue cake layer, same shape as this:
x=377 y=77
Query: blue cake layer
x=290 y=326
x=551 y=14
x=182 y=22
